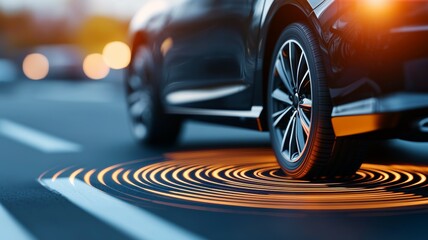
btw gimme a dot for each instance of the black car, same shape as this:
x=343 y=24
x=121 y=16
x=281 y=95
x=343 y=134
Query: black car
x=322 y=76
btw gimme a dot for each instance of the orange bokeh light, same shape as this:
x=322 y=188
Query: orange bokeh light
x=94 y=67
x=166 y=46
x=35 y=66
x=117 y=55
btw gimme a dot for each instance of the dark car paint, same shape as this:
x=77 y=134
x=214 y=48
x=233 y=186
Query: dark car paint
x=220 y=44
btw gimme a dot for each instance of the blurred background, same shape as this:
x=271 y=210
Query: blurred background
x=64 y=39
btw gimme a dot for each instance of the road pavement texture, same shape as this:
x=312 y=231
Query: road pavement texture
x=70 y=169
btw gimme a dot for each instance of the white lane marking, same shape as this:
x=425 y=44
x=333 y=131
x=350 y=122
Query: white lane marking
x=36 y=139
x=131 y=220
x=10 y=228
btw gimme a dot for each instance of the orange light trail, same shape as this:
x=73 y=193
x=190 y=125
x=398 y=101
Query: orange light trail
x=87 y=177
x=115 y=174
x=56 y=175
x=74 y=175
x=100 y=176
x=250 y=178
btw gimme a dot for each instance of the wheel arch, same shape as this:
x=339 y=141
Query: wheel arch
x=138 y=39
x=141 y=39
x=275 y=23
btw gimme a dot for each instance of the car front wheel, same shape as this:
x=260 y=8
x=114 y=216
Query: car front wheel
x=299 y=111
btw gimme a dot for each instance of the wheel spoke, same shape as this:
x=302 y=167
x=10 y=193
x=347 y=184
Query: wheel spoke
x=279 y=95
x=300 y=138
x=303 y=81
x=291 y=140
x=138 y=102
x=137 y=109
x=278 y=113
x=281 y=115
x=298 y=68
x=134 y=97
x=304 y=121
x=283 y=74
x=135 y=82
x=287 y=130
x=306 y=103
x=140 y=130
x=291 y=56
x=287 y=68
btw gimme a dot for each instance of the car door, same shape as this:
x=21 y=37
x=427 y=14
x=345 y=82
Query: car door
x=209 y=50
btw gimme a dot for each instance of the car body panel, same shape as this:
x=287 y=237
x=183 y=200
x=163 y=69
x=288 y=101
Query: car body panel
x=213 y=55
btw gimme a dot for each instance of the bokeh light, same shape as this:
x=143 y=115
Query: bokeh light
x=166 y=46
x=35 y=66
x=94 y=67
x=117 y=55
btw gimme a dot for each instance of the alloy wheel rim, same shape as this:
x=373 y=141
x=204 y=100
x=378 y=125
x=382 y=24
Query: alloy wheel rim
x=292 y=100
x=138 y=103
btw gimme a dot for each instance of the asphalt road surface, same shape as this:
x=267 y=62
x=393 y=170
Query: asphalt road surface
x=70 y=169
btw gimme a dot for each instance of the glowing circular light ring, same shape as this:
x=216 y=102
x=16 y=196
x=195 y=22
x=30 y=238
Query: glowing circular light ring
x=252 y=180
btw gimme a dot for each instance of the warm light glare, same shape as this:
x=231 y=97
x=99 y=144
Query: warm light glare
x=378 y=8
x=117 y=55
x=376 y=3
x=377 y=13
x=35 y=66
x=95 y=67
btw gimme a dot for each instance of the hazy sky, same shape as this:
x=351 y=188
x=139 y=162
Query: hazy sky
x=57 y=8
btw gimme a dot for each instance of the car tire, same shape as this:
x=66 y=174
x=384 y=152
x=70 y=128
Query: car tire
x=149 y=123
x=299 y=111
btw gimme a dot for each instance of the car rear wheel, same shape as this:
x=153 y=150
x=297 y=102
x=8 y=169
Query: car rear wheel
x=149 y=122
x=299 y=111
